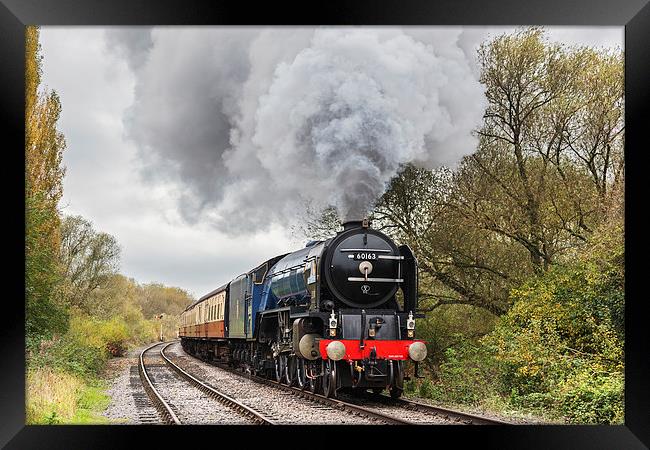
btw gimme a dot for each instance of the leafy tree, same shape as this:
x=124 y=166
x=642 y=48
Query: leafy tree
x=114 y=297
x=156 y=298
x=549 y=150
x=44 y=172
x=459 y=262
x=554 y=117
x=89 y=258
x=531 y=202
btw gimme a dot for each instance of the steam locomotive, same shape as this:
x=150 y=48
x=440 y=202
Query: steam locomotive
x=337 y=314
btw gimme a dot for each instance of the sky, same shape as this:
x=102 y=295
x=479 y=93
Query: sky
x=191 y=145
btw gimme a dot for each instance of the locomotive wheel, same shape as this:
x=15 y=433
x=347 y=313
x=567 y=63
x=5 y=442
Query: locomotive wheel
x=290 y=372
x=329 y=378
x=355 y=377
x=315 y=384
x=301 y=377
x=279 y=368
x=397 y=387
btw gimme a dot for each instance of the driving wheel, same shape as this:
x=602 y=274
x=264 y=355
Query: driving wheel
x=301 y=377
x=397 y=387
x=329 y=378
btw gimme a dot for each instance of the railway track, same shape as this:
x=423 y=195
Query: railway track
x=176 y=404
x=378 y=408
x=167 y=415
x=420 y=413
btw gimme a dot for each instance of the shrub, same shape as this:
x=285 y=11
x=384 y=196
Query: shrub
x=592 y=398
x=426 y=389
x=140 y=330
x=560 y=347
x=115 y=335
x=80 y=351
x=467 y=375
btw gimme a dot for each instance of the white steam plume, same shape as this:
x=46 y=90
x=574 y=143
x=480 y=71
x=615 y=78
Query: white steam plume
x=323 y=116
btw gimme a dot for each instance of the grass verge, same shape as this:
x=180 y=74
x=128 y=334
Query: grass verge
x=57 y=397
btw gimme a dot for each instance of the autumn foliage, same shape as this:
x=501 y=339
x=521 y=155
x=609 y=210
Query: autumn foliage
x=520 y=246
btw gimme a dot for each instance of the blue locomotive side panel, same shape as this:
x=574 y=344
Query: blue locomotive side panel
x=239 y=300
x=257 y=285
x=267 y=299
x=286 y=279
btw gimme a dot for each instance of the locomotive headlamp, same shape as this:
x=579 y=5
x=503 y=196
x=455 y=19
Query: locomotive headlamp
x=335 y=350
x=333 y=320
x=417 y=351
x=333 y=323
x=410 y=322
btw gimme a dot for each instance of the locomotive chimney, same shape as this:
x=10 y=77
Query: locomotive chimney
x=350 y=224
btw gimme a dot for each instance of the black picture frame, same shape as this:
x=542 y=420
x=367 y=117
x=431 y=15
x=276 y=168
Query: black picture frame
x=633 y=14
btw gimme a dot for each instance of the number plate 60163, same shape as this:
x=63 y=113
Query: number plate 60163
x=365 y=256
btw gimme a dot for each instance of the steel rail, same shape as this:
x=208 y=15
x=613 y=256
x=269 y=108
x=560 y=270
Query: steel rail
x=163 y=408
x=257 y=417
x=335 y=402
x=467 y=418
x=445 y=413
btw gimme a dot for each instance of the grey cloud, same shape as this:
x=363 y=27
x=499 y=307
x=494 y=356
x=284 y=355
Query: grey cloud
x=131 y=43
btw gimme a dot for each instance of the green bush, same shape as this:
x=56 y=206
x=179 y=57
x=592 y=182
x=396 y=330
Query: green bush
x=62 y=385
x=139 y=329
x=558 y=352
x=426 y=389
x=57 y=397
x=560 y=347
x=592 y=398
x=115 y=335
x=466 y=376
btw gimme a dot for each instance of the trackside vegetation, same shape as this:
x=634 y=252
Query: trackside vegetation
x=79 y=310
x=521 y=246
